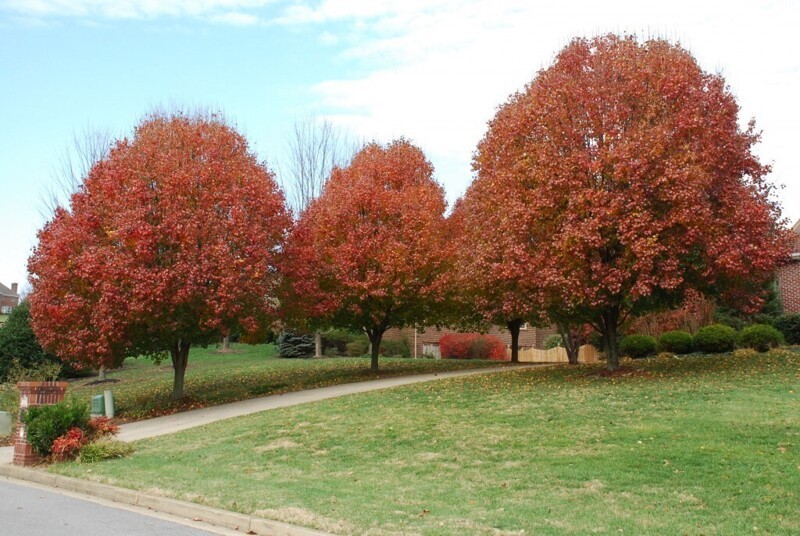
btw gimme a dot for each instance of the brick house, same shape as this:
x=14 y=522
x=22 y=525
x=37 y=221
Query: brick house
x=9 y=298
x=789 y=277
x=427 y=340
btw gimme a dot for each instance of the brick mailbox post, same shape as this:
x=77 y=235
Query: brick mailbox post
x=34 y=394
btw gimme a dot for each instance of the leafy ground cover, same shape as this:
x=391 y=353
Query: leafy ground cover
x=697 y=445
x=142 y=389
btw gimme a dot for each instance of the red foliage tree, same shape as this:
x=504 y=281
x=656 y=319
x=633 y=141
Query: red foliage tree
x=367 y=254
x=170 y=242
x=624 y=170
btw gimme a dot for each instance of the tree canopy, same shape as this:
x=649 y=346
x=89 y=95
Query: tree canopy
x=367 y=253
x=171 y=241
x=623 y=174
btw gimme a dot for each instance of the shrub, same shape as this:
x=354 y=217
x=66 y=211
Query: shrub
x=728 y=319
x=104 y=449
x=789 y=326
x=471 y=346
x=357 y=348
x=331 y=352
x=19 y=347
x=637 y=346
x=46 y=423
x=291 y=344
x=553 y=341
x=760 y=337
x=339 y=339
x=395 y=349
x=101 y=427
x=67 y=446
x=715 y=338
x=40 y=371
x=678 y=342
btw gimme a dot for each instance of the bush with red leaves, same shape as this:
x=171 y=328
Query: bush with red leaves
x=101 y=427
x=472 y=346
x=67 y=446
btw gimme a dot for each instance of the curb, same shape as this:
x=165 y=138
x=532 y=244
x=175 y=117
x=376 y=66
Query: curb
x=214 y=516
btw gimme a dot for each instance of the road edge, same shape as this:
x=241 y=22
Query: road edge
x=214 y=516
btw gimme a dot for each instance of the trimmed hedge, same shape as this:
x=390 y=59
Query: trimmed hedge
x=552 y=341
x=637 y=346
x=789 y=326
x=715 y=339
x=760 y=337
x=395 y=349
x=677 y=342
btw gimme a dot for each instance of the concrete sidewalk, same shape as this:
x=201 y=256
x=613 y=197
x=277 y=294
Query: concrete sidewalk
x=199 y=417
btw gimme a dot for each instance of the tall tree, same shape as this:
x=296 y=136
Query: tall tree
x=625 y=164
x=368 y=252
x=315 y=147
x=494 y=279
x=170 y=242
x=87 y=147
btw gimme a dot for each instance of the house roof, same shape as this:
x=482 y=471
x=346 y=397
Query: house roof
x=5 y=291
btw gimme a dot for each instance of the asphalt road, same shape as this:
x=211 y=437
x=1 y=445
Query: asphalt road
x=29 y=510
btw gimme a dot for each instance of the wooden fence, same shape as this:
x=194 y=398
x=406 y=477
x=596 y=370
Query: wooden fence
x=586 y=354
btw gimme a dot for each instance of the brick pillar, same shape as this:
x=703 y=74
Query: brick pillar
x=34 y=394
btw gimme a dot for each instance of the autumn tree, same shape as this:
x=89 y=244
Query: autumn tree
x=626 y=167
x=494 y=280
x=170 y=242
x=366 y=254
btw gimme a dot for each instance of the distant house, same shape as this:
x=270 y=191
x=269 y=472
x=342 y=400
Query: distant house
x=789 y=277
x=8 y=298
x=427 y=340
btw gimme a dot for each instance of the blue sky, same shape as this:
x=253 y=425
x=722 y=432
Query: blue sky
x=431 y=70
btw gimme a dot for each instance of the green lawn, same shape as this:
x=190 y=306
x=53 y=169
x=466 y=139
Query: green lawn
x=143 y=389
x=700 y=445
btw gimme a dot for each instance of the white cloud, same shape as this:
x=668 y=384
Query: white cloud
x=435 y=71
x=131 y=9
x=237 y=18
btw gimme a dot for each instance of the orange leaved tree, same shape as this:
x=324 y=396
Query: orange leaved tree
x=170 y=242
x=368 y=253
x=624 y=172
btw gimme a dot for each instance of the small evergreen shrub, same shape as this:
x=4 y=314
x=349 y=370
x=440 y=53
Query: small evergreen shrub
x=104 y=449
x=637 y=346
x=677 y=342
x=291 y=344
x=395 y=349
x=45 y=424
x=553 y=341
x=339 y=339
x=727 y=319
x=760 y=337
x=357 y=348
x=715 y=339
x=789 y=326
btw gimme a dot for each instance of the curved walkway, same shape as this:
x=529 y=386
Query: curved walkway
x=169 y=424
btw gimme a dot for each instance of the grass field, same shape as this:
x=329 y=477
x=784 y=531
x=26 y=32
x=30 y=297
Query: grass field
x=142 y=389
x=700 y=445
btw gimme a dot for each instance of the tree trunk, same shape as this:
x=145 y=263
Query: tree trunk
x=375 y=337
x=180 y=358
x=610 y=320
x=570 y=343
x=226 y=343
x=101 y=374
x=317 y=344
x=513 y=327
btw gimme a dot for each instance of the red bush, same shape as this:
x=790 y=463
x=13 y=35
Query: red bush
x=472 y=346
x=102 y=426
x=67 y=446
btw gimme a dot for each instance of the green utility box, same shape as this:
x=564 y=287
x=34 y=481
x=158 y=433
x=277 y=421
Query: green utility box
x=98 y=408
